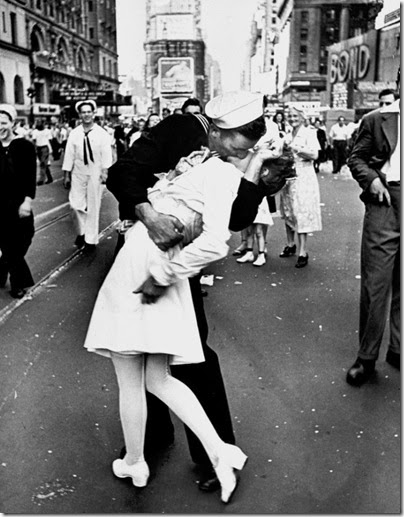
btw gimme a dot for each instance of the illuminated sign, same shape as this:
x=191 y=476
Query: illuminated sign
x=350 y=65
x=176 y=74
x=353 y=59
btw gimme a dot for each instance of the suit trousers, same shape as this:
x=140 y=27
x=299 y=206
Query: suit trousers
x=380 y=276
x=338 y=154
x=15 y=239
x=204 y=379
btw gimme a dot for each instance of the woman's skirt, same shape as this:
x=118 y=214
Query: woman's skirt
x=121 y=323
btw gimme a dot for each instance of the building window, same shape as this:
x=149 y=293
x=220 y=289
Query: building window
x=2 y=88
x=303 y=51
x=3 y=15
x=18 y=90
x=91 y=32
x=304 y=32
x=104 y=66
x=38 y=4
x=305 y=17
x=13 y=28
x=303 y=67
x=90 y=6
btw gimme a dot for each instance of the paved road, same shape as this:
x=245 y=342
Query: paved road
x=285 y=337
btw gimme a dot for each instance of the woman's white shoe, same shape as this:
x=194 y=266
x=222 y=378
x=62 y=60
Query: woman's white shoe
x=260 y=260
x=139 y=472
x=230 y=458
x=247 y=257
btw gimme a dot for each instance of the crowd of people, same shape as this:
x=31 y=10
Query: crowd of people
x=183 y=182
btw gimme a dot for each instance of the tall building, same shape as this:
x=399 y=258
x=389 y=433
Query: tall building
x=175 y=53
x=261 y=70
x=306 y=29
x=55 y=52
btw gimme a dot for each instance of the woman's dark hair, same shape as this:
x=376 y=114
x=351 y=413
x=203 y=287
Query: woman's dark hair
x=253 y=130
x=40 y=126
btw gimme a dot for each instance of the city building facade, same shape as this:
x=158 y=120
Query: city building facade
x=360 y=67
x=175 y=53
x=261 y=71
x=55 y=52
x=307 y=28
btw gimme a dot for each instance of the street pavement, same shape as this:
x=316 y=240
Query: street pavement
x=285 y=337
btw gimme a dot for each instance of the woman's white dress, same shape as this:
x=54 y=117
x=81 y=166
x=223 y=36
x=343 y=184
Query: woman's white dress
x=201 y=199
x=300 y=198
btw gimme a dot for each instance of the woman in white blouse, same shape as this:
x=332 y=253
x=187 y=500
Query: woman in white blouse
x=300 y=199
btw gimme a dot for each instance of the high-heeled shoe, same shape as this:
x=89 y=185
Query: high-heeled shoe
x=230 y=458
x=247 y=257
x=139 y=472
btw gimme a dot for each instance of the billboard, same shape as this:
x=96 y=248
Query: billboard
x=176 y=75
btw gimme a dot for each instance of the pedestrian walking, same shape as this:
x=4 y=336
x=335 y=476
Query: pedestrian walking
x=175 y=137
x=17 y=190
x=339 y=136
x=86 y=160
x=41 y=136
x=375 y=165
x=300 y=198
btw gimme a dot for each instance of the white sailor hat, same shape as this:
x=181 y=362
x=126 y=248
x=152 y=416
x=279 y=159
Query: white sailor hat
x=9 y=110
x=234 y=109
x=90 y=102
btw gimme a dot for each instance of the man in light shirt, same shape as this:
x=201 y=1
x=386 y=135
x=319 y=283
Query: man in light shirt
x=85 y=166
x=339 y=135
x=375 y=164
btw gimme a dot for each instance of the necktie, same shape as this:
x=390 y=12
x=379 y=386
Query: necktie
x=86 y=143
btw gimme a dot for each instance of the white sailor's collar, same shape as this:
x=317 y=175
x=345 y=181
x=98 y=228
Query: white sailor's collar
x=391 y=108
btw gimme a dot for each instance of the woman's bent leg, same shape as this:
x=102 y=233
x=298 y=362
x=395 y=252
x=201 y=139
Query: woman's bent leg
x=182 y=401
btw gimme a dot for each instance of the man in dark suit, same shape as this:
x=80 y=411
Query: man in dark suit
x=375 y=164
x=128 y=179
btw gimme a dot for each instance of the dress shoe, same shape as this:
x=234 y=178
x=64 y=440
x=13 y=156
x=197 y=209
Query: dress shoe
x=89 y=247
x=247 y=257
x=302 y=261
x=208 y=481
x=79 y=242
x=288 y=251
x=393 y=358
x=18 y=292
x=360 y=372
x=39 y=183
x=238 y=252
x=230 y=458
x=204 y=293
x=49 y=180
x=260 y=260
x=139 y=472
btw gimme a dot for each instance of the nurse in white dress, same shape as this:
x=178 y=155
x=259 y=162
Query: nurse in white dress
x=144 y=330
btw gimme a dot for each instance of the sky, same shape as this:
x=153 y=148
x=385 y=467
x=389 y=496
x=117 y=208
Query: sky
x=226 y=26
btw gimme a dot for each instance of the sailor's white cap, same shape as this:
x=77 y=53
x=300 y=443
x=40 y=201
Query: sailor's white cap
x=234 y=109
x=90 y=102
x=9 y=110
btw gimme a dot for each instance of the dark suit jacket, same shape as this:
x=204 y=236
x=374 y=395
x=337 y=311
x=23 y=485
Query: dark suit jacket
x=159 y=151
x=376 y=140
